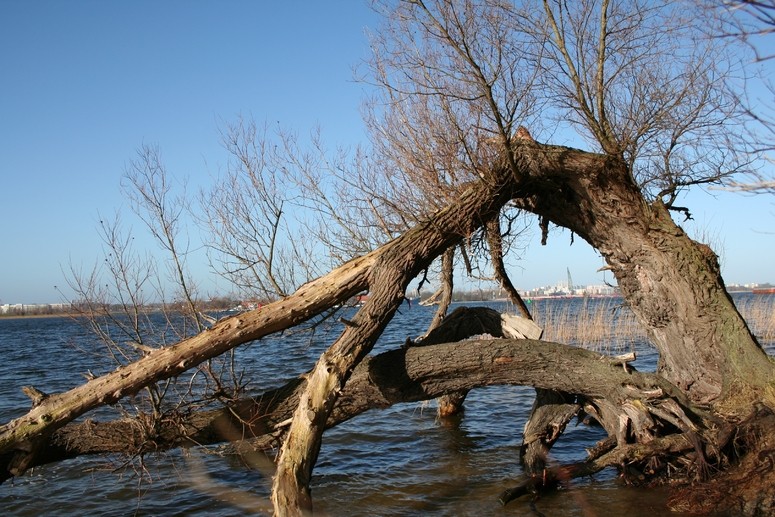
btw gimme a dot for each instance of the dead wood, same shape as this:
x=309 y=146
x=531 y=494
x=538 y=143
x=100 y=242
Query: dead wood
x=20 y=435
x=409 y=374
x=398 y=263
x=605 y=456
x=551 y=412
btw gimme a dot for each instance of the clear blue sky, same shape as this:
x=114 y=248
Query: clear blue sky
x=85 y=83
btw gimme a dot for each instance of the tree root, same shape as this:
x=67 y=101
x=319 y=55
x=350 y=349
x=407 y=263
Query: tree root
x=605 y=454
x=748 y=486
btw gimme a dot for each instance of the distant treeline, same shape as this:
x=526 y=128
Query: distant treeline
x=82 y=308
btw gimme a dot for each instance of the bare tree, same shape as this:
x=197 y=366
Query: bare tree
x=246 y=216
x=752 y=23
x=150 y=193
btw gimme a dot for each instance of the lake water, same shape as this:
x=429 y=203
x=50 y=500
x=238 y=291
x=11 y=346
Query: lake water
x=398 y=461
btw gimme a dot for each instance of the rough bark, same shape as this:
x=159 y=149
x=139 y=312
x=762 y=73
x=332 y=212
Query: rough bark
x=24 y=434
x=747 y=489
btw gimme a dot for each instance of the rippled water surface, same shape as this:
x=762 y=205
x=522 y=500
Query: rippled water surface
x=398 y=461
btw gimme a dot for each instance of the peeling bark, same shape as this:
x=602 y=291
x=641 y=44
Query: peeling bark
x=398 y=264
x=22 y=435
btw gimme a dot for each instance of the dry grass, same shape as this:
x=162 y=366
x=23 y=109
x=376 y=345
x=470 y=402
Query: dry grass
x=606 y=325
x=597 y=324
x=759 y=312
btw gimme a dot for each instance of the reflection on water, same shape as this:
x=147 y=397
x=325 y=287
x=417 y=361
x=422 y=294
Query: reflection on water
x=397 y=461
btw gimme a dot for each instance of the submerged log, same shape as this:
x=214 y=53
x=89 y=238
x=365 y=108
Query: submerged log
x=604 y=456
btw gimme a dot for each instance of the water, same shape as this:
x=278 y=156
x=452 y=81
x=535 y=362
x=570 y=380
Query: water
x=400 y=461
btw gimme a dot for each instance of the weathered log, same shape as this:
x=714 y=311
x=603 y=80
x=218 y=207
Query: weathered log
x=551 y=412
x=551 y=478
x=403 y=375
x=205 y=427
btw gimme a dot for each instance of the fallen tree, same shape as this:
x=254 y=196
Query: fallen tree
x=416 y=372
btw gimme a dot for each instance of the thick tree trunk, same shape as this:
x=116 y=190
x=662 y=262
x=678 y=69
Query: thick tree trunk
x=674 y=287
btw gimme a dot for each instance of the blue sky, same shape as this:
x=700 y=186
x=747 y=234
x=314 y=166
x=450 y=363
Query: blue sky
x=86 y=83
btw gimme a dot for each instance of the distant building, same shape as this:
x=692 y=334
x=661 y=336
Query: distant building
x=599 y=290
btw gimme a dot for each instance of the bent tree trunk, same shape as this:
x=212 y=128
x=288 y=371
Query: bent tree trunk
x=672 y=284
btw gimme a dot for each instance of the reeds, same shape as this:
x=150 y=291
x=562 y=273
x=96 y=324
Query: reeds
x=602 y=324
x=607 y=325
x=759 y=312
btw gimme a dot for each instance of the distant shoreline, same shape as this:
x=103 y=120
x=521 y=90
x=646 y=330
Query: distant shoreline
x=75 y=315
x=33 y=316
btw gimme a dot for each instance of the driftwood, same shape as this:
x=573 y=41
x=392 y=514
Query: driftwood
x=405 y=257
